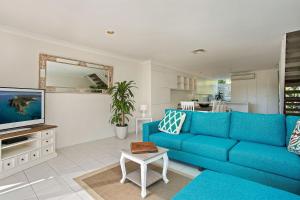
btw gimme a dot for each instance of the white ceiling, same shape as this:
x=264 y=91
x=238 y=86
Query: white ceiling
x=237 y=34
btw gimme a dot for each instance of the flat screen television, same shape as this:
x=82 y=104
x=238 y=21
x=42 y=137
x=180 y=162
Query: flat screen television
x=21 y=107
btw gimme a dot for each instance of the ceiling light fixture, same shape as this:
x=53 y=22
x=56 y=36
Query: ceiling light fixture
x=110 y=32
x=198 y=51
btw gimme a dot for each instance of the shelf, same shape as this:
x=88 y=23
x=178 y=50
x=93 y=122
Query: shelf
x=34 y=129
x=186 y=83
x=21 y=155
x=5 y=146
x=17 y=150
x=152 y=177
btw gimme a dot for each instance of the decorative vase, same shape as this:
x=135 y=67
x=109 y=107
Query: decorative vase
x=121 y=131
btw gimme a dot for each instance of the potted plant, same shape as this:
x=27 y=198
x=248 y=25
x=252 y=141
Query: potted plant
x=122 y=106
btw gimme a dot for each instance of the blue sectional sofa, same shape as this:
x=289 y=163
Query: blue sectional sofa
x=247 y=145
x=216 y=186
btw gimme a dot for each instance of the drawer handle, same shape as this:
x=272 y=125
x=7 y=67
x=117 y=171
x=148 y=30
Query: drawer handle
x=47 y=150
x=47 y=141
x=8 y=164
x=22 y=159
x=33 y=155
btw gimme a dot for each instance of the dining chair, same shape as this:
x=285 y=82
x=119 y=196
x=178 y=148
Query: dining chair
x=219 y=106
x=187 y=105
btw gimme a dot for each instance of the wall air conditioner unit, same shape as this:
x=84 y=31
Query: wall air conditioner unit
x=243 y=76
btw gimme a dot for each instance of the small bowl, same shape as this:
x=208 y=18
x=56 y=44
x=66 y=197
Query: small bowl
x=204 y=105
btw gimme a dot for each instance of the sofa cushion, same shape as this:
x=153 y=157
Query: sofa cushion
x=187 y=122
x=169 y=141
x=210 y=123
x=261 y=128
x=211 y=185
x=172 y=122
x=273 y=159
x=290 y=125
x=208 y=146
x=294 y=144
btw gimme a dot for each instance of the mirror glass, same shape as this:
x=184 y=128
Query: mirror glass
x=67 y=75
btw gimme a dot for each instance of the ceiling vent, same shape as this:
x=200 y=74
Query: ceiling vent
x=243 y=76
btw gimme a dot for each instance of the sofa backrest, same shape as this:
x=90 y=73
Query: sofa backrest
x=290 y=125
x=211 y=123
x=187 y=122
x=261 y=128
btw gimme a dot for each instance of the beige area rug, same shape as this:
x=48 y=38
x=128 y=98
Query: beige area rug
x=105 y=184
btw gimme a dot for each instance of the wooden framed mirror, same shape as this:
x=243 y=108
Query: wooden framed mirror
x=65 y=75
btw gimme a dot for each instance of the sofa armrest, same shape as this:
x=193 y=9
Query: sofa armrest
x=149 y=128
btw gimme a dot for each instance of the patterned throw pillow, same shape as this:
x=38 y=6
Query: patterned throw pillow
x=172 y=122
x=294 y=144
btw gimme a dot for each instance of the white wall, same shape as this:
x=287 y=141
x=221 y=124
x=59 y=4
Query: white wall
x=177 y=96
x=160 y=91
x=207 y=87
x=244 y=91
x=282 y=74
x=261 y=92
x=163 y=79
x=80 y=117
x=146 y=77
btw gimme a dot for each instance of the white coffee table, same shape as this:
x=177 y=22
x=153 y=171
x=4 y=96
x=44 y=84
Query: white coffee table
x=142 y=176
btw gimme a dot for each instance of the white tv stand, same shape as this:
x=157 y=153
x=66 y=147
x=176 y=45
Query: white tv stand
x=14 y=130
x=39 y=147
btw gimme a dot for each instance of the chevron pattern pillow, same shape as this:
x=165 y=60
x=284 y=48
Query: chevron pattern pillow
x=294 y=144
x=172 y=122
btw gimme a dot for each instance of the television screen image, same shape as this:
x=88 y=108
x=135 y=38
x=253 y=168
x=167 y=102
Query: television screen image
x=19 y=106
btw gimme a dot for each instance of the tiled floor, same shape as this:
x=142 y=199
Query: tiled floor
x=53 y=180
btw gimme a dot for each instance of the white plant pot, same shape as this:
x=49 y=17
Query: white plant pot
x=121 y=131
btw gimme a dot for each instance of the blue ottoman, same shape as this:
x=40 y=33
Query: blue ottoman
x=211 y=185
